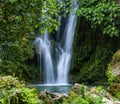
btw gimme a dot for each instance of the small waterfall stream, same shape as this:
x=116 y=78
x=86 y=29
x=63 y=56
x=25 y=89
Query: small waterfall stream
x=60 y=73
x=65 y=55
x=43 y=49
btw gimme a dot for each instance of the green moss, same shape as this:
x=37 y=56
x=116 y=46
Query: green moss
x=91 y=54
x=16 y=59
x=111 y=78
x=116 y=57
x=81 y=94
x=117 y=95
x=114 y=89
x=113 y=67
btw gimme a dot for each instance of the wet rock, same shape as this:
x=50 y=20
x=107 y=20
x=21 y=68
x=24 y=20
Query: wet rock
x=80 y=91
x=53 y=96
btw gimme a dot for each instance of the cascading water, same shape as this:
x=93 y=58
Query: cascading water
x=63 y=51
x=43 y=46
x=66 y=52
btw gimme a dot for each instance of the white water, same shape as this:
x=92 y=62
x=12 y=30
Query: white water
x=63 y=51
x=43 y=46
x=64 y=57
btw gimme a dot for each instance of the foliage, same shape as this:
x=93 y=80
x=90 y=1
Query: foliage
x=114 y=89
x=15 y=59
x=92 y=49
x=13 y=91
x=113 y=68
x=49 y=14
x=64 y=6
x=19 y=23
x=91 y=57
x=111 y=77
x=117 y=95
x=103 y=15
x=83 y=96
x=25 y=16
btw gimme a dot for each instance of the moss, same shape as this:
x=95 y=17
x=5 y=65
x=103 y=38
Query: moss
x=114 y=89
x=81 y=94
x=91 y=54
x=113 y=70
x=116 y=58
x=117 y=95
x=17 y=59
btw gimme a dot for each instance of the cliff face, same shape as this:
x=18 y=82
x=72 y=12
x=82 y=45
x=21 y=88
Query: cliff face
x=118 y=1
x=91 y=53
x=113 y=71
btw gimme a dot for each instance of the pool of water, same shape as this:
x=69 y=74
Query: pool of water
x=60 y=88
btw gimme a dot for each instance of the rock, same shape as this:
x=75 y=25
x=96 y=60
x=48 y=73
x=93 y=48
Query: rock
x=77 y=87
x=114 y=88
x=81 y=91
x=84 y=91
x=116 y=57
x=58 y=96
x=107 y=101
x=43 y=94
x=118 y=1
x=114 y=68
x=53 y=96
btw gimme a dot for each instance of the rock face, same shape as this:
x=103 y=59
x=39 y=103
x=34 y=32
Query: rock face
x=114 y=68
x=95 y=92
x=91 y=54
x=113 y=74
x=118 y=1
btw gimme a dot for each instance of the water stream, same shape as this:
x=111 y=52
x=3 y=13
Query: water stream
x=57 y=74
x=65 y=48
x=43 y=46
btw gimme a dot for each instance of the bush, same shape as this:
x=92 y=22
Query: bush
x=81 y=94
x=13 y=91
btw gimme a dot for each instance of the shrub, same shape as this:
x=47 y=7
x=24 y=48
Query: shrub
x=13 y=91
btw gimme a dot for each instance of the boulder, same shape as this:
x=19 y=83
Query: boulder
x=51 y=96
x=114 y=68
x=114 y=88
x=78 y=87
x=84 y=91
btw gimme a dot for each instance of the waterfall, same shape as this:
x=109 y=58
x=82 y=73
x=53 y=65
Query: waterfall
x=43 y=46
x=63 y=52
x=66 y=52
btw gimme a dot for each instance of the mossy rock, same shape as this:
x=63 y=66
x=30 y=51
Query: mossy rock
x=114 y=89
x=113 y=72
x=116 y=58
x=81 y=94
